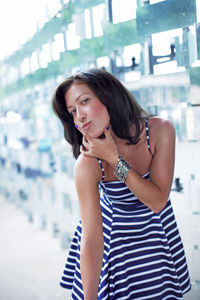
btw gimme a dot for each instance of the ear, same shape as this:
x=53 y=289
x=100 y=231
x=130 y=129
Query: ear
x=107 y=131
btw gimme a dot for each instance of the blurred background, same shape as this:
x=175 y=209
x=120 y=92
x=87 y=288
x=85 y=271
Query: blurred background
x=153 y=47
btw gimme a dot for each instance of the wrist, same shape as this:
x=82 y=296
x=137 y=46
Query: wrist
x=113 y=159
x=121 y=168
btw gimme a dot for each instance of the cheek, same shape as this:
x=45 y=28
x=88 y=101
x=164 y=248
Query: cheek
x=101 y=112
x=103 y=118
x=105 y=115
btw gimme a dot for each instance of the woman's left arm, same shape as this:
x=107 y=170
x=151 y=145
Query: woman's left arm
x=153 y=193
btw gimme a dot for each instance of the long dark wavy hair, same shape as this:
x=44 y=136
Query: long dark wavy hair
x=123 y=109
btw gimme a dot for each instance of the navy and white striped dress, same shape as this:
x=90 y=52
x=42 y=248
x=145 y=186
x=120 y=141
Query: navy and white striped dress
x=143 y=253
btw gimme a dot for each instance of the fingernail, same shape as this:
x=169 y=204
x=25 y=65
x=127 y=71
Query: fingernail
x=107 y=127
x=76 y=126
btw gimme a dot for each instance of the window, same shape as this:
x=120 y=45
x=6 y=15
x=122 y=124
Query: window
x=123 y=10
x=67 y=202
x=63 y=163
x=73 y=40
x=45 y=55
x=88 y=24
x=34 y=62
x=25 y=67
x=52 y=195
x=161 y=46
x=98 y=18
x=155 y=1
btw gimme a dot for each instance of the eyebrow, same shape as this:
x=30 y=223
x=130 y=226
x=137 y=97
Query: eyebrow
x=70 y=106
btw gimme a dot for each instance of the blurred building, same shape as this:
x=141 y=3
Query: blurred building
x=152 y=46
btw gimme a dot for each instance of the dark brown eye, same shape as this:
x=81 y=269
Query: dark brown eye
x=73 y=112
x=85 y=101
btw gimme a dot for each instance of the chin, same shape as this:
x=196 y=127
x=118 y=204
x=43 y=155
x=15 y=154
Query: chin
x=99 y=135
x=96 y=134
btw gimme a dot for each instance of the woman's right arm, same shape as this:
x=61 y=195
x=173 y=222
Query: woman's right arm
x=87 y=175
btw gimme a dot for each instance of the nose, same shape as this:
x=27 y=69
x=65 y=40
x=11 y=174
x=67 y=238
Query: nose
x=80 y=115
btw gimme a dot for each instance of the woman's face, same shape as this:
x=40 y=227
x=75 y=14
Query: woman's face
x=89 y=114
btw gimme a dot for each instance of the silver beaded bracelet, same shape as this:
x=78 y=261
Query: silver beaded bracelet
x=121 y=168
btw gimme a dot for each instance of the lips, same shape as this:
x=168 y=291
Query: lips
x=86 y=125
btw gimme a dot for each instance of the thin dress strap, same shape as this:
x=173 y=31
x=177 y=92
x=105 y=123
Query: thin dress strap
x=147 y=135
x=102 y=169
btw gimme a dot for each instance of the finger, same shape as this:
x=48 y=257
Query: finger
x=85 y=143
x=85 y=140
x=87 y=136
x=84 y=151
x=83 y=148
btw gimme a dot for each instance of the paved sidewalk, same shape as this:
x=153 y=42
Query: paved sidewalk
x=31 y=261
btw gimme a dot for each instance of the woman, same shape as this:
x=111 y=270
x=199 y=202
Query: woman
x=127 y=245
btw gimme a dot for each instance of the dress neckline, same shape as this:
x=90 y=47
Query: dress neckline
x=119 y=181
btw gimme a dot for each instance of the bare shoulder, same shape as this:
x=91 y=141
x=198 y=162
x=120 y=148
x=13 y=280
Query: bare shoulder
x=162 y=132
x=159 y=127
x=87 y=170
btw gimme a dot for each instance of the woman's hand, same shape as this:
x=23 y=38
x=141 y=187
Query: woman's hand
x=104 y=148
